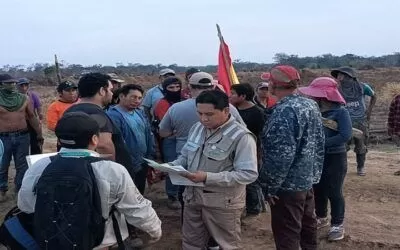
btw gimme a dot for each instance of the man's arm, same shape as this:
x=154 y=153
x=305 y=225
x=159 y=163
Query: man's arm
x=279 y=146
x=26 y=197
x=32 y=119
x=106 y=145
x=165 y=126
x=138 y=211
x=244 y=165
x=371 y=93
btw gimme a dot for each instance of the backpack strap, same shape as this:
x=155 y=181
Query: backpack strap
x=117 y=231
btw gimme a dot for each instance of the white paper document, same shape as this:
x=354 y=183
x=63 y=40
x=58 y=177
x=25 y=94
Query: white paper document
x=31 y=159
x=174 y=173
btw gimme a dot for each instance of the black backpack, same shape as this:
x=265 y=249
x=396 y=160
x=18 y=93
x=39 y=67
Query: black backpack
x=68 y=206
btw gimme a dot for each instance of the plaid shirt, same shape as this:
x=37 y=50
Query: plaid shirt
x=394 y=117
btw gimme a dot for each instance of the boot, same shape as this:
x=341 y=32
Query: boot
x=360 y=164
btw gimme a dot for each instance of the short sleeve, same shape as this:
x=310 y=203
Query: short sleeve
x=368 y=90
x=104 y=122
x=148 y=99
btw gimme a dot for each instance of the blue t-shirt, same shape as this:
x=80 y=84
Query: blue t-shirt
x=152 y=96
x=137 y=122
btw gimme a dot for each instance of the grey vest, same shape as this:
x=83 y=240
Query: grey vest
x=215 y=154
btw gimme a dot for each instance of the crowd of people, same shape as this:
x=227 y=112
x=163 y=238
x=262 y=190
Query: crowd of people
x=274 y=143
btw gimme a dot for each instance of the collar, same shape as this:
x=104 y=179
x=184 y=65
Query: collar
x=69 y=152
x=213 y=135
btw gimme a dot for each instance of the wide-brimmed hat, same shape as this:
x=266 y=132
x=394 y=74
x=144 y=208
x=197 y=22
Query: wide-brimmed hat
x=344 y=70
x=323 y=87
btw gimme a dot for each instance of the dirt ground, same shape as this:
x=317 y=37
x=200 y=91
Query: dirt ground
x=372 y=208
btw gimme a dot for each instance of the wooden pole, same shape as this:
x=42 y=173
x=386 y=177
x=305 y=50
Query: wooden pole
x=227 y=65
x=57 y=69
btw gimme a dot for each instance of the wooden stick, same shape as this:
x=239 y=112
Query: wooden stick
x=227 y=67
x=57 y=69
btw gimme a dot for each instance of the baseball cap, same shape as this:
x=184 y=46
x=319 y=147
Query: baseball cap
x=66 y=85
x=115 y=78
x=166 y=71
x=190 y=72
x=6 y=78
x=23 y=81
x=75 y=129
x=201 y=79
x=283 y=75
x=262 y=85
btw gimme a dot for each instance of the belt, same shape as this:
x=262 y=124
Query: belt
x=15 y=133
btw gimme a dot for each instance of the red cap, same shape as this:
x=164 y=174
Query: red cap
x=283 y=75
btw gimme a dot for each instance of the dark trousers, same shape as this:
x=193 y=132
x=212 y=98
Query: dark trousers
x=16 y=145
x=254 y=198
x=330 y=187
x=36 y=146
x=140 y=178
x=293 y=221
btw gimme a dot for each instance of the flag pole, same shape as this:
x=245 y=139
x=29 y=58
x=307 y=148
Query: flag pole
x=57 y=69
x=222 y=43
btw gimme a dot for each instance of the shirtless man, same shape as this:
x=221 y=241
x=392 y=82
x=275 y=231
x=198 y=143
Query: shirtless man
x=15 y=112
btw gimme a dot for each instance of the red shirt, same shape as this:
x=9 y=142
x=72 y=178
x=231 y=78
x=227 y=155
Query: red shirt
x=161 y=109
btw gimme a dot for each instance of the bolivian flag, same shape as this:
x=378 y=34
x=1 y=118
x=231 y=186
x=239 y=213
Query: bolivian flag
x=226 y=73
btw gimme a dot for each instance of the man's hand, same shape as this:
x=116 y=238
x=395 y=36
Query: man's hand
x=272 y=199
x=196 y=177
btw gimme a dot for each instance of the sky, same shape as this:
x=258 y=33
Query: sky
x=107 y=32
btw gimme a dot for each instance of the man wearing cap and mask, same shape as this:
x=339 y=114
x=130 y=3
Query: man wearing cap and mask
x=154 y=94
x=16 y=109
x=67 y=95
x=293 y=154
x=23 y=88
x=172 y=87
x=354 y=93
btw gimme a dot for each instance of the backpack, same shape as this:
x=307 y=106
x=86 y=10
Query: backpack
x=16 y=231
x=68 y=211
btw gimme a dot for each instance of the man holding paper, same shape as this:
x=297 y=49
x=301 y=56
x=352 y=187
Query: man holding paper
x=221 y=154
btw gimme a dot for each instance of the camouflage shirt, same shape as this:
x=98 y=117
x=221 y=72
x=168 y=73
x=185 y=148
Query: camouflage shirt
x=293 y=146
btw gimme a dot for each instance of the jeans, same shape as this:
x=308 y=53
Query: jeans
x=169 y=154
x=16 y=145
x=330 y=187
x=293 y=221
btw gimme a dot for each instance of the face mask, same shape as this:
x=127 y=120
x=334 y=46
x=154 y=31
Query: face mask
x=173 y=96
x=8 y=88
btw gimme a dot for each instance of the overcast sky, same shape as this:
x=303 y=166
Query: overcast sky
x=183 y=32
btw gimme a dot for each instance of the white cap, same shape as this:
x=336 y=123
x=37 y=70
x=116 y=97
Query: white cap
x=163 y=72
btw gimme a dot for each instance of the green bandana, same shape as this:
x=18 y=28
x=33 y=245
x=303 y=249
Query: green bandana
x=10 y=99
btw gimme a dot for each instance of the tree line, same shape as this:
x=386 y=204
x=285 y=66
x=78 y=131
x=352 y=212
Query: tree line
x=46 y=70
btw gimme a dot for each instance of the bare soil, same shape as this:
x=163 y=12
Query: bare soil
x=372 y=208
